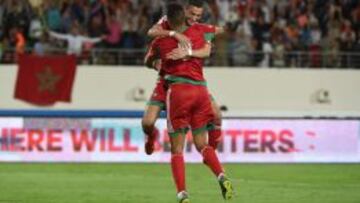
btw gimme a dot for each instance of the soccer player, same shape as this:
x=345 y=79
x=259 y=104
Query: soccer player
x=194 y=11
x=157 y=100
x=187 y=101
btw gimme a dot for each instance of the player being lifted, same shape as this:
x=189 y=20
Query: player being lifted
x=188 y=103
x=194 y=11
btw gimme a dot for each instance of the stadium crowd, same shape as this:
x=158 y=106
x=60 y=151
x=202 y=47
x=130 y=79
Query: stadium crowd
x=261 y=33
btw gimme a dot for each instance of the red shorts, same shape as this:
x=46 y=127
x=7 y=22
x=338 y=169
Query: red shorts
x=188 y=106
x=158 y=97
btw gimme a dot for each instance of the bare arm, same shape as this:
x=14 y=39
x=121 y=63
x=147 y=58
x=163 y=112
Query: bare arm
x=157 y=31
x=58 y=36
x=93 y=40
x=203 y=52
x=219 y=30
x=180 y=53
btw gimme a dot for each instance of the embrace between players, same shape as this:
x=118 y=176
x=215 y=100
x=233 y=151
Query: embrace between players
x=177 y=52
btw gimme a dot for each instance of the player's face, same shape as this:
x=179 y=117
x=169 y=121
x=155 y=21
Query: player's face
x=193 y=14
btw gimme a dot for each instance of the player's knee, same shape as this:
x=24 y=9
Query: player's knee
x=147 y=124
x=200 y=146
x=217 y=118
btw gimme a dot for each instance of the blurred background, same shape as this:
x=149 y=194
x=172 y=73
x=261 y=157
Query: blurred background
x=260 y=33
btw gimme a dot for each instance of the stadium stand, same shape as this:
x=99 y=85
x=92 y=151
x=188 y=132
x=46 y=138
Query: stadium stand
x=260 y=33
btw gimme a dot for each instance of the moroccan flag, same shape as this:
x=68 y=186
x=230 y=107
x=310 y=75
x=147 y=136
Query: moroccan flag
x=44 y=80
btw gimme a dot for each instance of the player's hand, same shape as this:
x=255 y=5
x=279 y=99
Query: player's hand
x=176 y=54
x=184 y=42
x=157 y=64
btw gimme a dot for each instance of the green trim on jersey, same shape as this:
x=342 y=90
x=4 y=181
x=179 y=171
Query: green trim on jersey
x=206 y=127
x=156 y=103
x=209 y=36
x=177 y=132
x=176 y=79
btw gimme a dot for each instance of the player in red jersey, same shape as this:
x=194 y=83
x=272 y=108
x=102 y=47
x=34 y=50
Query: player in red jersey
x=194 y=11
x=187 y=102
x=157 y=100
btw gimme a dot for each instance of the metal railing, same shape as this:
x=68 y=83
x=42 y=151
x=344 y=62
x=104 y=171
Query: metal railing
x=298 y=59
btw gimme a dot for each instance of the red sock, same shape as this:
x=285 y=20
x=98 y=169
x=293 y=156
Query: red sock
x=154 y=134
x=178 y=171
x=211 y=160
x=215 y=137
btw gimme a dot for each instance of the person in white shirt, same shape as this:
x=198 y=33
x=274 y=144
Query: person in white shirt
x=267 y=49
x=75 y=40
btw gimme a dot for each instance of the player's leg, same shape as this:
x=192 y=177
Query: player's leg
x=151 y=114
x=212 y=161
x=154 y=107
x=178 y=166
x=178 y=103
x=208 y=153
x=200 y=122
x=215 y=133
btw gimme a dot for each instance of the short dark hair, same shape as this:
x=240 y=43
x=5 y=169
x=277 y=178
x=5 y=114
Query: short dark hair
x=196 y=3
x=175 y=14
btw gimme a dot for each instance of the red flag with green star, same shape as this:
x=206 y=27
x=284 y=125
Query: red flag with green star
x=44 y=80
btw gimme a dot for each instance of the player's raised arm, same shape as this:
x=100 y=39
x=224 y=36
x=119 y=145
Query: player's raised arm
x=58 y=35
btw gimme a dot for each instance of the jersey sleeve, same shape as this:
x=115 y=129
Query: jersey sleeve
x=207 y=28
x=209 y=31
x=151 y=53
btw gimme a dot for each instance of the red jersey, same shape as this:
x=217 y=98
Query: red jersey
x=191 y=68
x=207 y=28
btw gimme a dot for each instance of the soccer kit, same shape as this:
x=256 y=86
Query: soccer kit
x=187 y=100
x=158 y=96
x=188 y=104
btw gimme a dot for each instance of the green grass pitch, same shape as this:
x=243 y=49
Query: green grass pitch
x=152 y=183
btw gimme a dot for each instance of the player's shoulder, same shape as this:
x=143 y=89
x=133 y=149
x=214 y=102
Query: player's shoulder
x=203 y=26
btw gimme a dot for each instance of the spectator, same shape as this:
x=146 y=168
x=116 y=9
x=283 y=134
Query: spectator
x=267 y=50
x=114 y=30
x=299 y=26
x=1 y=47
x=66 y=19
x=2 y=10
x=52 y=15
x=261 y=29
x=17 y=14
x=356 y=57
x=42 y=47
x=331 y=53
x=36 y=26
x=75 y=41
x=18 y=38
